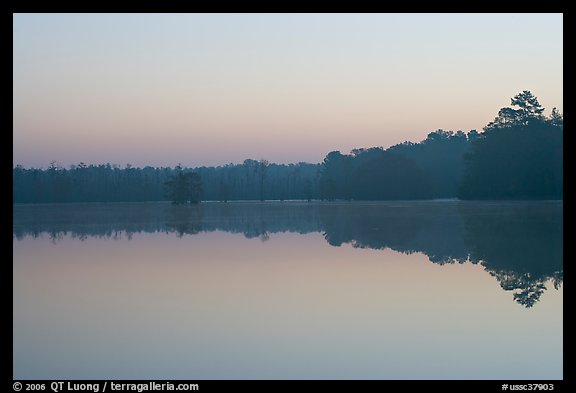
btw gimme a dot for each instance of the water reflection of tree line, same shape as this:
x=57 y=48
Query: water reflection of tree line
x=520 y=244
x=521 y=247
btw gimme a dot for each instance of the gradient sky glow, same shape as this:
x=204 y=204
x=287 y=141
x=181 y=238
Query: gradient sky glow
x=210 y=89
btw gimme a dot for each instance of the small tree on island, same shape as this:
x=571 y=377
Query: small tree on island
x=184 y=187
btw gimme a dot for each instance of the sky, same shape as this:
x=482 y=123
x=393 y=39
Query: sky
x=212 y=89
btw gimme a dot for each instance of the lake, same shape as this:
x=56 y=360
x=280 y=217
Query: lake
x=390 y=290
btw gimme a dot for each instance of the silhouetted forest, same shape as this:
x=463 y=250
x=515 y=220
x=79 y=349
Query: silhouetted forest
x=251 y=180
x=519 y=243
x=426 y=170
x=517 y=156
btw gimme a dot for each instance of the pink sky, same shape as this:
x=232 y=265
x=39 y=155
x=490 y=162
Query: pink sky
x=213 y=89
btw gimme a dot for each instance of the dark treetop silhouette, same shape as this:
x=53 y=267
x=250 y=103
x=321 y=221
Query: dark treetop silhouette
x=184 y=187
x=518 y=243
x=518 y=156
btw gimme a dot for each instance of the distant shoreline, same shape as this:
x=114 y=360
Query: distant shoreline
x=301 y=202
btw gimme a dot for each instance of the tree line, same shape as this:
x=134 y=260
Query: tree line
x=517 y=156
x=251 y=180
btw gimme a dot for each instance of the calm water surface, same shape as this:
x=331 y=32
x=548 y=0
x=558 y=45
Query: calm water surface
x=396 y=290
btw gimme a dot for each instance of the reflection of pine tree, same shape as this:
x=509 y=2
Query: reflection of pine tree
x=528 y=289
x=531 y=295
